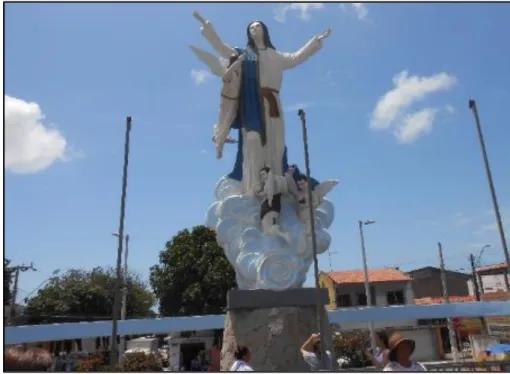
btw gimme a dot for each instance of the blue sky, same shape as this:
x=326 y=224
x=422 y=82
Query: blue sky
x=403 y=144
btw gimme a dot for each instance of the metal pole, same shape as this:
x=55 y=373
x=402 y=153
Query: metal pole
x=122 y=348
x=451 y=330
x=320 y=308
x=472 y=106
x=118 y=281
x=368 y=291
x=17 y=270
x=477 y=290
x=14 y=295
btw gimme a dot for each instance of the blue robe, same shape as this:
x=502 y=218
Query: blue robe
x=250 y=115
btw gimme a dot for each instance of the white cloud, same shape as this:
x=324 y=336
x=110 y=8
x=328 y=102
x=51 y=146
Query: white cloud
x=30 y=145
x=296 y=107
x=359 y=9
x=200 y=76
x=414 y=125
x=450 y=108
x=304 y=9
x=391 y=110
x=460 y=219
x=328 y=78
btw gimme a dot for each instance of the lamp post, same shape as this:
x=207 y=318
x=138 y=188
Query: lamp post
x=53 y=274
x=446 y=297
x=123 y=309
x=116 y=300
x=320 y=308
x=477 y=262
x=368 y=291
x=472 y=106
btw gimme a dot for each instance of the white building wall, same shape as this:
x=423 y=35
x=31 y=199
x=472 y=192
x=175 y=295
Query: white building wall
x=493 y=283
x=490 y=282
x=381 y=290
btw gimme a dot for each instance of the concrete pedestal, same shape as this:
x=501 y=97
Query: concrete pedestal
x=274 y=326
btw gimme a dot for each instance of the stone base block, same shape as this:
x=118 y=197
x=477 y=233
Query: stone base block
x=274 y=335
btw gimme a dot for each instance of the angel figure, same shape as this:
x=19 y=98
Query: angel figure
x=260 y=122
x=272 y=188
x=229 y=103
x=318 y=194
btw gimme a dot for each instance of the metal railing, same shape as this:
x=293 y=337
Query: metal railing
x=502 y=366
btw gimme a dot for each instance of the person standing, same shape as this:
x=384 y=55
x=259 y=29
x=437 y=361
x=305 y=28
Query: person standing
x=380 y=357
x=312 y=353
x=242 y=356
x=401 y=350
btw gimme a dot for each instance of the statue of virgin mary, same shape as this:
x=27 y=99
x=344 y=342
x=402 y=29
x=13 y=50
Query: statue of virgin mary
x=260 y=120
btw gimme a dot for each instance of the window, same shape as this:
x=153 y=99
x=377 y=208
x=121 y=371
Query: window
x=343 y=300
x=362 y=298
x=395 y=297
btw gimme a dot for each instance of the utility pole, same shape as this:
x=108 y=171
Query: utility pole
x=451 y=330
x=124 y=298
x=477 y=290
x=472 y=106
x=114 y=354
x=368 y=291
x=17 y=270
x=324 y=365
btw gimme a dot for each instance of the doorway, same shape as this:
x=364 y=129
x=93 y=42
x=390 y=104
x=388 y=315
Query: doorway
x=188 y=352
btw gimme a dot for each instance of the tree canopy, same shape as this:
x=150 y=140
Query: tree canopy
x=193 y=275
x=90 y=293
x=7 y=281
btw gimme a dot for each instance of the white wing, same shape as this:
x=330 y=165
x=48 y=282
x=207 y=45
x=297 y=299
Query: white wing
x=321 y=190
x=212 y=61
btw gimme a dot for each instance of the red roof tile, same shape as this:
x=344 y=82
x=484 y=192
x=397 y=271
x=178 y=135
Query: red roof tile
x=374 y=276
x=501 y=266
x=489 y=296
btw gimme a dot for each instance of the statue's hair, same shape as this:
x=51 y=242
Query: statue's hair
x=267 y=37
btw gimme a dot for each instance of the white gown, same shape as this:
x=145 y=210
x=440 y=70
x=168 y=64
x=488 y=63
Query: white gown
x=271 y=66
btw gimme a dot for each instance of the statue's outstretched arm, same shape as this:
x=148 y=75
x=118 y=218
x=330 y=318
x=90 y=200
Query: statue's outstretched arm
x=212 y=37
x=290 y=60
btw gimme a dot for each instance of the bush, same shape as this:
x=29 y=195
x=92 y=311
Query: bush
x=352 y=346
x=140 y=361
x=95 y=362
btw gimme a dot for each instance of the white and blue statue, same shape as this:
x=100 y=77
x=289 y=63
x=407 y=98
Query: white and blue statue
x=261 y=214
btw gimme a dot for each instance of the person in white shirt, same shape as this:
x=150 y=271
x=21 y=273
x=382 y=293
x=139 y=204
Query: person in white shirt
x=380 y=357
x=312 y=354
x=401 y=350
x=242 y=356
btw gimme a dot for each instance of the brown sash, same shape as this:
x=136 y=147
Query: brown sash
x=269 y=94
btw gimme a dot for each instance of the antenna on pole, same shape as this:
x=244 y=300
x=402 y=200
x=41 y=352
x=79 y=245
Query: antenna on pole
x=330 y=261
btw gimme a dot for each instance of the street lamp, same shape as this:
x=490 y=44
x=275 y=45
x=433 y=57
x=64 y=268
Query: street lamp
x=368 y=292
x=54 y=273
x=479 y=258
x=124 y=292
x=499 y=221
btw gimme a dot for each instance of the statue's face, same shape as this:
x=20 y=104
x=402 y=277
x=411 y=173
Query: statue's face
x=301 y=184
x=256 y=31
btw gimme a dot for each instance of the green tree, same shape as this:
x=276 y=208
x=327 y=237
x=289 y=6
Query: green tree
x=7 y=281
x=193 y=275
x=90 y=294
